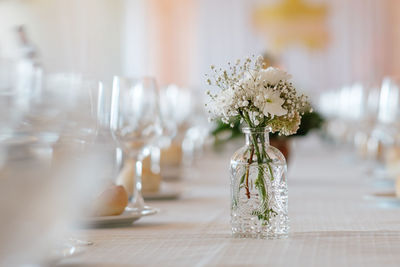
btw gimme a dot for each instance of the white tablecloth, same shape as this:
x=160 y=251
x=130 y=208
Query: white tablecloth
x=331 y=222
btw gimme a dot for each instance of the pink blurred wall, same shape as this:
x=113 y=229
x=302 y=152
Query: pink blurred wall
x=188 y=36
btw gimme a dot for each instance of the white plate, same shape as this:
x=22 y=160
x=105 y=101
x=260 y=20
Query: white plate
x=386 y=199
x=124 y=219
x=167 y=191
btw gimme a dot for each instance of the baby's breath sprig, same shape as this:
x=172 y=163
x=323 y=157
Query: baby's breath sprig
x=264 y=95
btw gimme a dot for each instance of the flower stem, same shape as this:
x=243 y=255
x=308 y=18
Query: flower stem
x=268 y=159
x=249 y=162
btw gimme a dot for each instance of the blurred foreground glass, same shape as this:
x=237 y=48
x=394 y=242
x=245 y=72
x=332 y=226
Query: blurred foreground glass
x=135 y=124
x=45 y=179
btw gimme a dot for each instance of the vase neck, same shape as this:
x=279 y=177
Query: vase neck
x=259 y=136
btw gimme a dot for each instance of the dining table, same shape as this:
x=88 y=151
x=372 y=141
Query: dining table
x=334 y=221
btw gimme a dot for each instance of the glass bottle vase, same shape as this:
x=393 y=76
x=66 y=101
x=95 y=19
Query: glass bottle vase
x=259 y=195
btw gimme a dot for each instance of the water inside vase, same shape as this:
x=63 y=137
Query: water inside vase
x=253 y=213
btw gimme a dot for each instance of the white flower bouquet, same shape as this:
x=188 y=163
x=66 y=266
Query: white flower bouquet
x=263 y=98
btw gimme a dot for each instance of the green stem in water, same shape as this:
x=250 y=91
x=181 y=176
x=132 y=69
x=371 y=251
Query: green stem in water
x=262 y=158
x=249 y=162
x=268 y=159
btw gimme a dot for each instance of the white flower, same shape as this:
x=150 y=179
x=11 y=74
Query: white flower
x=258 y=96
x=273 y=104
x=247 y=83
x=273 y=75
x=224 y=104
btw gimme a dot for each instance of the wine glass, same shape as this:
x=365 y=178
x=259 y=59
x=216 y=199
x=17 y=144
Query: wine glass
x=135 y=125
x=168 y=126
x=104 y=140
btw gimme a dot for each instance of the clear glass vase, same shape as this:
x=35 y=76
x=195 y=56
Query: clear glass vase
x=259 y=195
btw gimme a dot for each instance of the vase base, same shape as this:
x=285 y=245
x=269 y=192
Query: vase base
x=260 y=235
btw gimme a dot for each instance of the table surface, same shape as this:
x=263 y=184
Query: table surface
x=332 y=224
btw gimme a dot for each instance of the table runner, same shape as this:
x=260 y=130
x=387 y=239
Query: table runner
x=331 y=222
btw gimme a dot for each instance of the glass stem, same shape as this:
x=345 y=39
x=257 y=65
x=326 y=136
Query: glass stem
x=137 y=200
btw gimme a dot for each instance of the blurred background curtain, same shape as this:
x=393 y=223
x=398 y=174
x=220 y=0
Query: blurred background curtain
x=82 y=36
x=177 y=40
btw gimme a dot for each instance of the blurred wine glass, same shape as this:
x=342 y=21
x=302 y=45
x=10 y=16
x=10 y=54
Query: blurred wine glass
x=383 y=136
x=198 y=128
x=104 y=140
x=176 y=107
x=169 y=128
x=135 y=124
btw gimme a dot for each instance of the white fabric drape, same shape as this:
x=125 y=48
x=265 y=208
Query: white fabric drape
x=82 y=36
